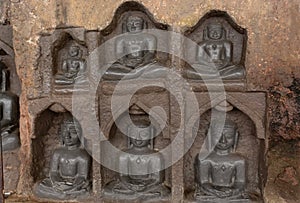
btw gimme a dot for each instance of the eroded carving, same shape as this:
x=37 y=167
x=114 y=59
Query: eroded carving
x=69 y=168
x=73 y=69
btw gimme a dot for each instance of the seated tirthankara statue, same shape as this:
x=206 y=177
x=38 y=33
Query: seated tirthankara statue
x=9 y=109
x=73 y=68
x=214 y=57
x=69 y=169
x=136 y=53
x=222 y=174
x=141 y=169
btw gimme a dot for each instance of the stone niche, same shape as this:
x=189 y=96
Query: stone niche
x=63 y=62
x=225 y=53
x=47 y=139
x=121 y=142
x=249 y=118
x=11 y=157
x=118 y=26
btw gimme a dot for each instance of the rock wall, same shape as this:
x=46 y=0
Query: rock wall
x=272 y=60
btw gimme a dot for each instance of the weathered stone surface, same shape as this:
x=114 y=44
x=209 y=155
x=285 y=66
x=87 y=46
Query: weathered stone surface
x=284 y=111
x=4 y=11
x=272 y=55
x=283 y=174
x=272 y=61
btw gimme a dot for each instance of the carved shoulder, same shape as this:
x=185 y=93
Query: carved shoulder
x=158 y=157
x=59 y=150
x=84 y=155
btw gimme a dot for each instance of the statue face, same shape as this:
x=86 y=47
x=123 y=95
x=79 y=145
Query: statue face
x=141 y=139
x=135 y=24
x=74 y=51
x=70 y=135
x=227 y=139
x=215 y=33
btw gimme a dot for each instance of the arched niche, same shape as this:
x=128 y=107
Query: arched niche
x=251 y=104
x=120 y=141
x=7 y=56
x=250 y=146
x=129 y=8
x=61 y=46
x=107 y=126
x=118 y=27
x=53 y=50
x=63 y=58
x=45 y=138
x=233 y=32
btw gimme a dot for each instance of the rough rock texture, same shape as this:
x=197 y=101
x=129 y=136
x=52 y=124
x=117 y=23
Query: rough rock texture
x=272 y=61
x=284 y=174
x=4 y=11
x=284 y=111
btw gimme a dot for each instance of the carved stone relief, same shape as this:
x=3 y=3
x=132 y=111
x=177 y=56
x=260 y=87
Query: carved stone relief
x=142 y=173
x=69 y=169
x=132 y=52
x=220 y=50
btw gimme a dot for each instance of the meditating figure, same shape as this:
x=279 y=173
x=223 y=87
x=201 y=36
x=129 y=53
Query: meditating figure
x=70 y=166
x=9 y=113
x=141 y=169
x=73 y=69
x=214 y=57
x=135 y=52
x=222 y=174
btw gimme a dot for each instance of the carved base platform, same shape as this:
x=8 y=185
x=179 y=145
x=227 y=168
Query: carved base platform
x=207 y=199
x=218 y=85
x=64 y=89
x=130 y=86
x=134 y=198
x=190 y=198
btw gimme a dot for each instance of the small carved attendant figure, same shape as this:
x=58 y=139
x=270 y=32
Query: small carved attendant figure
x=9 y=113
x=141 y=168
x=214 y=56
x=136 y=53
x=221 y=175
x=70 y=164
x=73 y=68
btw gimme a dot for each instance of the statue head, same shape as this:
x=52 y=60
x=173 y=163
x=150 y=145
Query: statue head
x=140 y=136
x=74 y=51
x=215 y=31
x=70 y=131
x=134 y=24
x=223 y=137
